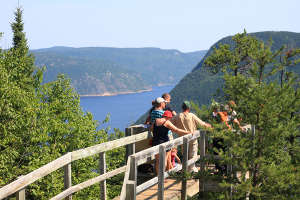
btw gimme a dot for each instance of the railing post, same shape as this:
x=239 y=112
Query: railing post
x=184 y=168
x=68 y=179
x=161 y=171
x=149 y=136
x=130 y=148
x=102 y=170
x=130 y=191
x=202 y=163
x=131 y=185
x=20 y=195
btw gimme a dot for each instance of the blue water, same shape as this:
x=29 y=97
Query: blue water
x=123 y=109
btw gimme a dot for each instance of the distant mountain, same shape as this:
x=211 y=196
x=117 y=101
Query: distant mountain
x=103 y=70
x=200 y=86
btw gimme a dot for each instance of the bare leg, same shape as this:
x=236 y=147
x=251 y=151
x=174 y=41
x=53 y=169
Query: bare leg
x=168 y=161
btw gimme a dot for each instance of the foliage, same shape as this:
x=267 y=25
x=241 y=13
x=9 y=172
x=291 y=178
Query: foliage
x=270 y=155
x=41 y=122
x=18 y=107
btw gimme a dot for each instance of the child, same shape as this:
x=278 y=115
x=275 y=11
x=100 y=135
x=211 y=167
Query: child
x=174 y=156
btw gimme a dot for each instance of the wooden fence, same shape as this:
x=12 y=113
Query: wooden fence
x=18 y=186
x=134 y=135
x=130 y=188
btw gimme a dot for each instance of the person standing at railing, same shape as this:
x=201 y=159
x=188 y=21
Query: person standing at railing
x=189 y=122
x=158 y=111
x=227 y=115
x=167 y=98
x=161 y=128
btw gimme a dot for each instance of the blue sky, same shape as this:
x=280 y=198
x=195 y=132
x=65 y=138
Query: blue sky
x=169 y=24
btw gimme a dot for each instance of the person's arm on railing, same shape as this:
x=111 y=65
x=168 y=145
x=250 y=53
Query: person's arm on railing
x=173 y=128
x=169 y=125
x=199 y=122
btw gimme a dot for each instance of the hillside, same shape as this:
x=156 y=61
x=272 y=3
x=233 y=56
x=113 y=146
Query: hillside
x=101 y=70
x=200 y=86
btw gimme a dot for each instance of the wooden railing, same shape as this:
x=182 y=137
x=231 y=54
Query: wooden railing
x=19 y=185
x=130 y=188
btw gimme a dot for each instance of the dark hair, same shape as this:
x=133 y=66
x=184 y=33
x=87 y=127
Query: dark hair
x=153 y=103
x=164 y=95
x=186 y=105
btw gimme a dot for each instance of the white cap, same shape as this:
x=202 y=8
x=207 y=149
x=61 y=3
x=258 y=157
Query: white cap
x=160 y=100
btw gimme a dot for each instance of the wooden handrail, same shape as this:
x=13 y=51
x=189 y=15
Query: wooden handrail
x=139 y=158
x=89 y=151
x=142 y=157
x=88 y=183
x=35 y=175
x=66 y=159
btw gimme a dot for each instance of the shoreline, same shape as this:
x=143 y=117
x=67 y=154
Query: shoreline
x=114 y=93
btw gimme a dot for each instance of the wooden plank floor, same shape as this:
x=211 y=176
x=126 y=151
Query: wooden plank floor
x=172 y=190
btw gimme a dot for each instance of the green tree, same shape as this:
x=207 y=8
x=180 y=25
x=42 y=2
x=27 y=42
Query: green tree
x=25 y=71
x=271 y=154
x=18 y=117
x=41 y=122
x=235 y=58
x=19 y=39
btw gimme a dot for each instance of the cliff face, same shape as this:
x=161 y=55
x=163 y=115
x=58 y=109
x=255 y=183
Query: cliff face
x=99 y=70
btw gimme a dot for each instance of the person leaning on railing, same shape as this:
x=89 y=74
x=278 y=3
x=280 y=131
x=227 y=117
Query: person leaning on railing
x=166 y=99
x=161 y=128
x=227 y=115
x=189 y=122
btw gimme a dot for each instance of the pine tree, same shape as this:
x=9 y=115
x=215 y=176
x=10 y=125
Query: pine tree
x=235 y=58
x=270 y=153
x=19 y=39
x=25 y=71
